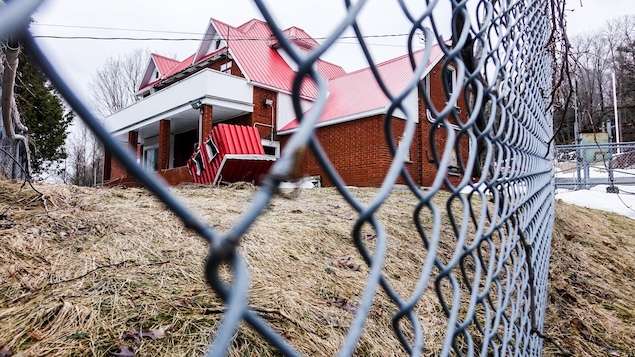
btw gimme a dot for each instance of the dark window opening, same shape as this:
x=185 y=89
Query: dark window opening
x=200 y=166
x=270 y=150
x=184 y=145
x=211 y=148
x=450 y=79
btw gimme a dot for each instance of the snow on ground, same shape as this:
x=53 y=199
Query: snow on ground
x=597 y=198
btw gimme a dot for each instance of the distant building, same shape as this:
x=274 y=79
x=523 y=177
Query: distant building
x=241 y=76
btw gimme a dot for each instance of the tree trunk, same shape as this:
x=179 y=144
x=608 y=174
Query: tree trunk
x=14 y=158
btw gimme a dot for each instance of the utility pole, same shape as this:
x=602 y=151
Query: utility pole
x=617 y=125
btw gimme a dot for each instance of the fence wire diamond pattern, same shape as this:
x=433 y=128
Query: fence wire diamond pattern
x=492 y=287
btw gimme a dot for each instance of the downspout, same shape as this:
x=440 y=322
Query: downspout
x=269 y=103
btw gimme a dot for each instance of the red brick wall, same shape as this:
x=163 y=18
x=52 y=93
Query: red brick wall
x=207 y=122
x=107 y=164
x=176 y=176
x=117 y=170
x=358 y=151
x=164 y=144
x=428 y=164
x=235 y=70
x=261 y=114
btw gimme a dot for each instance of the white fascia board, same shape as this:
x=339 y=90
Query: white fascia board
x=341 y=120
x=233 y=58
x=205 y=43
x=274 y=89
x=239 y=157
x=148 y=73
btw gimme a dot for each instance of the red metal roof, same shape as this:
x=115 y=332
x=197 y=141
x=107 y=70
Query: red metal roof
x=251 y=46
x=358 y=92
x=329 y=70
x=230 y=153
x=297 y=36
x=181 y=66
x=164 y=64
x=259 y=61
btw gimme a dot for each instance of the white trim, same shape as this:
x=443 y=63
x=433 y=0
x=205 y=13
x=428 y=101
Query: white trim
x=278 y=90
x=144 y=156
x=342 y=119
x=235 y=59
x=198 y=163
x=431 y=120
x=370 y=112
x=209 y=147
x=206 y=42
x=274 y=144
x=452 y=71
x=253 y=157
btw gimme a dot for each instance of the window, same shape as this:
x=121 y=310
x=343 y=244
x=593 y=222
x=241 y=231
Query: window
x=211 y=148
x=272 y=148
x=151 y=159
x=217 y=44
x=454 y=168
x=200 y=165
x=406 y=157
x=226 y=67
x=449 y=76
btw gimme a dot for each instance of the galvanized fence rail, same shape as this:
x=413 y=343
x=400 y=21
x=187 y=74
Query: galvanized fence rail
x=492 y=289
x=579 y=167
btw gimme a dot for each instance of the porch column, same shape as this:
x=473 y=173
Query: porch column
x=107 y=164
x=133 y=141
x=164 y=145
x=206 y=123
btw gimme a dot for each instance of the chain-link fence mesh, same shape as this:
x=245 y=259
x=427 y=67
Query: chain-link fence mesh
x=580 y=167
x=491 y=287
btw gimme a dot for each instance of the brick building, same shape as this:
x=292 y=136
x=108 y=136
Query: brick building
x=241 y=76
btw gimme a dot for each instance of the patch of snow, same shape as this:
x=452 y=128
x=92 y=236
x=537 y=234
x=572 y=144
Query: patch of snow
x=597 y=198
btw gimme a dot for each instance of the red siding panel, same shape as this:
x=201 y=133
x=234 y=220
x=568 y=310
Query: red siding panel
x=240 y=156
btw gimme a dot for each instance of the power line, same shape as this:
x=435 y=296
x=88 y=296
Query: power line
x=99 y=38
x=196 y=33
x=130 y=38
x=118 y=29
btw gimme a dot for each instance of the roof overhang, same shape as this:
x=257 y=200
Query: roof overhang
x=209 y=86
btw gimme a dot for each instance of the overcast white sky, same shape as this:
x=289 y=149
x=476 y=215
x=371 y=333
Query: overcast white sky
x=78 y=59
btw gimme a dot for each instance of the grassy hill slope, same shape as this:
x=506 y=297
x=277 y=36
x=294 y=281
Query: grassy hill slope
x=96 y=271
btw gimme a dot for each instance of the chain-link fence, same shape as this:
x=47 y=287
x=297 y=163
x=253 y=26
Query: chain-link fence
x=579 y=167
x=492 y=287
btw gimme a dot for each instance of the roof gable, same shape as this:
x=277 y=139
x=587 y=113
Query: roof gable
x=251 y=46
x=158 y=67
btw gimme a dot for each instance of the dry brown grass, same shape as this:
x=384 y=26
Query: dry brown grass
x=592 y=283
x=81 y=267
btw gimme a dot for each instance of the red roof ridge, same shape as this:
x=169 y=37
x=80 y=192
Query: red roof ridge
x=165 y=57
x=244 y=28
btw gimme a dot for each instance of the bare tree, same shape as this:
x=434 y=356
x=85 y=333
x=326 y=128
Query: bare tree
x=112 y=88
x=84 y=161
x=597 y=55
x=114 y=85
